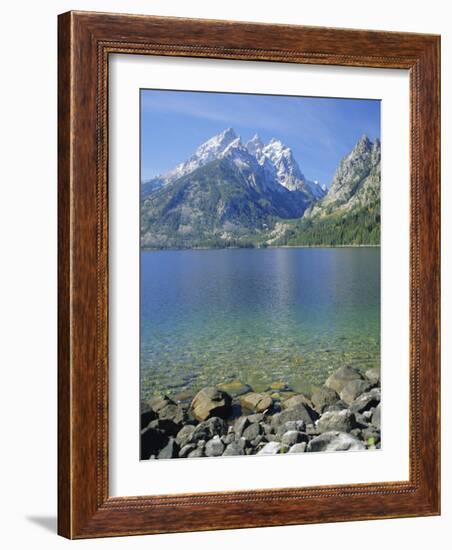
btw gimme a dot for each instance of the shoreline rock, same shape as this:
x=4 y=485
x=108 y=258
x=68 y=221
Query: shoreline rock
x=341 y=415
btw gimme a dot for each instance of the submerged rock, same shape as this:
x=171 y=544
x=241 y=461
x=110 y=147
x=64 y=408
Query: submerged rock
x=234 y=388
x=211 y=402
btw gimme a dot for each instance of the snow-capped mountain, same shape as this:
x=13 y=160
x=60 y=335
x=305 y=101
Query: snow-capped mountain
x=233 y=194
x=273 y=163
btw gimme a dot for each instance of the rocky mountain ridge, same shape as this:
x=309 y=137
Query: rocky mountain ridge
x=233 y=194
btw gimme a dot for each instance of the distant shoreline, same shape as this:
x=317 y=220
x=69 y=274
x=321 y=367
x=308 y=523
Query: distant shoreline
x=169 y=249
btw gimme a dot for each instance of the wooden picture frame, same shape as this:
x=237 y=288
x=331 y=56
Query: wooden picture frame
x=85 y=42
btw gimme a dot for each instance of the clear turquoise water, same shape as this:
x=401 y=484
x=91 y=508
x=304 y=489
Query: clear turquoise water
x=257 y=315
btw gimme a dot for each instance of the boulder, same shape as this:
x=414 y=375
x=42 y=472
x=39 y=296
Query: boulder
x=186 y=450
x=171 y=415
x=271 y=448
x=294 y=401
x=256 y=402
x=184 y=435
x=151 y=442
x=373 y=375
x=197 y=453
x=376 y=418
x=354 y=389
x=208 y=429
x=292 y=437
x=322 y=398
x=210 y=402
x=298 y=448
x=335 y=441
x=170 y=450
x=233 y=449
x=257 y=417
x=341 y=376
x=240 y=424
x=341 y=421
x=252 y=431
x=338 y=406
x=298 y=425
x=299 y=412
x=366 y=401
x=214 y=447
x=235 y=388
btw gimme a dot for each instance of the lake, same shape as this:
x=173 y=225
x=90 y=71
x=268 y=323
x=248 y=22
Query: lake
x=258 y=315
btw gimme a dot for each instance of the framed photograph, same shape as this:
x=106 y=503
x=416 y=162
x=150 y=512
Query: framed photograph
x=248 y=275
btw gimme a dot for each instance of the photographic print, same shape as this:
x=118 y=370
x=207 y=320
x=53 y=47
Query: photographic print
x=259 y=274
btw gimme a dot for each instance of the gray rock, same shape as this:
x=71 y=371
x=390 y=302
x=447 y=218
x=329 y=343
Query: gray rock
x=255 y=442
x=298 y=448
x=252 y=431
x=271 y=437
x=229 y=438
x=373 y=375
x=338 y=406
x=335 y=441
x=214 y=447
x=211 y=402
x=297 y=425
x=270 y=448
x=233 y=449
x=366 y=401
x=186 y=450
x=197 y=453
x=291 y=437
x=208 y=429
x=298 y=412
x=201 y=444
x=240 y=424
x=256 y=402
x=376 y=417
x=257 y=417
x=322 y=398
x=170 y=450
x=341 y=376
x=341 y=421
x=268 y=429
x=171 y=415
x=354 y=389
x=296 y=400
x=184 y=435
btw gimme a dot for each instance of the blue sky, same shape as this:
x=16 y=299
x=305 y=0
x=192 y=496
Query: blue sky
x=320 y=131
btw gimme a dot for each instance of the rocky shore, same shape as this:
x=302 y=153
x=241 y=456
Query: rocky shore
x=232 y=419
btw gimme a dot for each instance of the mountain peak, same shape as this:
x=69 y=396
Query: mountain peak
x=255 y=145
